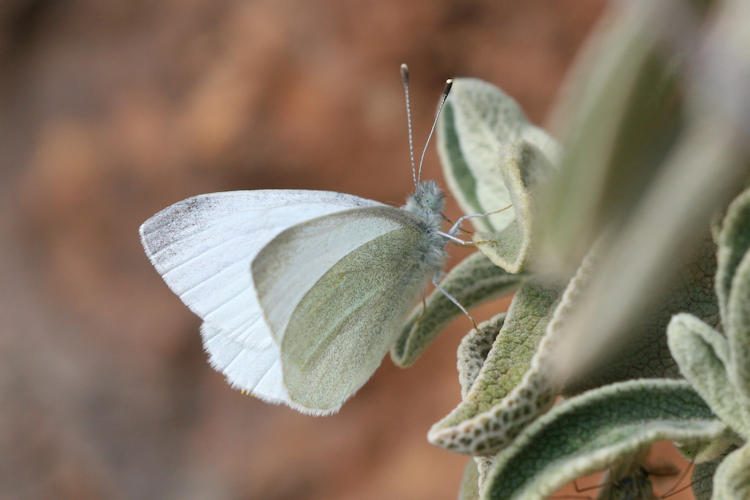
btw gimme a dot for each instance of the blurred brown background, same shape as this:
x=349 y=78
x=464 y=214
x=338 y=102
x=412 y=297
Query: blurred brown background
x=112 y=110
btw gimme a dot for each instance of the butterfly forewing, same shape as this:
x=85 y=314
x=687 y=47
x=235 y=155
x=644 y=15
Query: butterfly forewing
x=203 y=247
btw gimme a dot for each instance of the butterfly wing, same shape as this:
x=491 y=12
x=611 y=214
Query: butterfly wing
x=203 y=247
x=335 y=291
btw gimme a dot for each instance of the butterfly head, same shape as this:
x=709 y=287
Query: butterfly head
x=427 y=202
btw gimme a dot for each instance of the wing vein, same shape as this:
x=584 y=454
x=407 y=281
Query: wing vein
x=223 y=304
x=234 y=358
x=167 y=218
x=243 y=326
x=325 y=340
x=201 y=254
x=242 y=260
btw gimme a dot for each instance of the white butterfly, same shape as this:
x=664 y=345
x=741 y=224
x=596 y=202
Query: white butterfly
x=301 y=293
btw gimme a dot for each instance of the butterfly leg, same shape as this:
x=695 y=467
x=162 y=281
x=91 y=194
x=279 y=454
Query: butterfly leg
x=457 y=241
x=452 y=299
x=674 y=489
x=464 y=243
x=457 y=226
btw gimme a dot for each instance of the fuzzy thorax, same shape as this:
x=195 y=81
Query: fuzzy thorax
x=428 y=202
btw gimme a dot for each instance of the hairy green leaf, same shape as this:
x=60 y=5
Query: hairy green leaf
x=469 y=487
x=702 y=480
x=506 y=394
x=514 y=385
x=642 y=351
x=703 y=355
x=700 y=173
x=473 y=351
x=524 y=167
x=478 y=122
x=493 y=158
x=595 y=430
x=473 y=281
x=484 y=466
x=710 y=450
x=737 y=324
x=733 y=243
x=623 y=112
x=732 y=480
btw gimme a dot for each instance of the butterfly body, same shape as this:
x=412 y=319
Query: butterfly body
x=428 y=202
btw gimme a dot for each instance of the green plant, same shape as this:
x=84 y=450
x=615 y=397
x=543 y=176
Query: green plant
x=632 y=292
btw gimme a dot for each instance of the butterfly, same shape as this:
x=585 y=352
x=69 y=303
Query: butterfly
x=301 y=293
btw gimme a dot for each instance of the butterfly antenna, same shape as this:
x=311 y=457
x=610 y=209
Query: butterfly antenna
x=443 y=97
x=405 y=81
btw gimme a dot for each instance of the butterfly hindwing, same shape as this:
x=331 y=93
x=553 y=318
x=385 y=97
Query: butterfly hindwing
x=335 y=291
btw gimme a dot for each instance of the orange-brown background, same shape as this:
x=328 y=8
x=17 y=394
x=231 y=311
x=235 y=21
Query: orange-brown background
x=111 y=111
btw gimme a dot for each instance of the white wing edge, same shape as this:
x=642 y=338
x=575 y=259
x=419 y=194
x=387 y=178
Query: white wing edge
x=270 y=387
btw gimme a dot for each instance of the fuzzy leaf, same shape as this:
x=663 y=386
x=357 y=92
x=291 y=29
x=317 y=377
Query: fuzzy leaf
x=469 y=487
x=703 y=355
x=737 y=325
x=732 y=480
x=514 y=385
x=595 y=430
x=484 y=466
x=473 y=281
x=524 y=168
x=702 y=480
x=733 y=243
x=700 y=173
x=503 y=399
x=492 y=157
x=710 y=450
x=623 y=111
x=473 y=351
x=477 y=123
x=642 y=351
